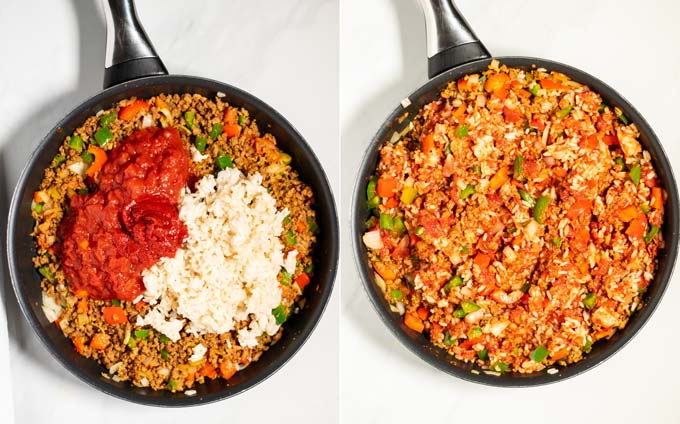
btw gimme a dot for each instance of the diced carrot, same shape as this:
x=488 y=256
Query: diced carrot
x=190 y=378
x=301 y=226
x=227 y=369
x=500 y=178
x=41 y=196
x=562 y=353
x=496 y=82
x=581 y=207
x=130 y=111
x=511 y=115
x=413 y=322
x=232 y=130
x=302 y=280
x=114 y=315
x=81 y=294
x=581 y=239
x=482 y=260
x=79 y=343
x=559 y=172
x=161 y=104
x=139 y=305
x=57 y=322
x=263 y=144
x=602 y=333
x=460 y=111
x=501 y=93
x=523 y=93
x=82 y=306
x=657 y=198
x=549 y=84
x=636 y=229
x=592 y=141
x=538 y=123
x=391 y=203
x=207 y=370
x=99 y=160
x=384 y=270
x=386 y=186
x=428 y=143
x=627 y=214
x=463 y=84
x=423 y=313
x=231 y=116
x=610 y=140
x=99 y=341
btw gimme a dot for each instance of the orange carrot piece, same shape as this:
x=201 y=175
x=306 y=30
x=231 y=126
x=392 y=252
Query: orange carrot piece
x=610 y=140
x=460 y=111
x=511 y=115
x=562 y=353
x=627 y=214
x=79 y=343
x=592 y=142
x=423 y=313
x=428 y=143
x=82 y=306
x=482 y=260
x=391 y=203
x=232 y=130
x=385 y=270
x=523 y=93
x=413 y=322
x=231 y=116
x=114 y=315
x=208 y=370
x=130 y=111
x=581 y=207
x=100 y=341
x=463 y=84
x=636 y=229
x=227 y=369
x=386 y=186
x=549 y=84
x=496 y=82
x=657 y=198
x=500 y=178
x=99 y=160
x=139 y=305
x=301 y=226
x=302 y=280
x=81 y=294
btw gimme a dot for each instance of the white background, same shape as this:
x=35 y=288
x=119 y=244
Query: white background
x=632 y=45
x=51 y=59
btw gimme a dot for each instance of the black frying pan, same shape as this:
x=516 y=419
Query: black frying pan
x=134 y=69
x=455 y=51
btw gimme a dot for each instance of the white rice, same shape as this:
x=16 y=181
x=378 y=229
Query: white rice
x=227 y=270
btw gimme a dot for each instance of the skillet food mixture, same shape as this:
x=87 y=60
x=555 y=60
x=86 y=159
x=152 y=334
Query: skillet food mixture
x=516 y=221
x=173 y=239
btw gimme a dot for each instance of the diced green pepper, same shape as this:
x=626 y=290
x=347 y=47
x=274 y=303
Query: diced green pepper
x=371 y=187
x=164 y=354
x=215 y=131
x=589 y=300
x=370 y=222
x=448 y=340
x=58 y=160
x=163 y=338
x=645 y=209
x=76 y=143
x=309 y=269
x=87 y=157
x=475 y=333
x=312 y=226
x=477 y=170
x=189 y=117
x=287 y=221
x=467 y=191
x=241 y=119
x=131 y=343
x=483 y=354
x=286 y=159
x=653 y=231
x=224 y=162
x=455 y=281
x=619 y=161
x=142 y=334
x=459 y=313
x=527 y=197
x=562 y=113
x=635 y=173
x=280 y=314
x=396 y=294
x=106 y=120
x=525 y=287
x=518 y=172
x=82 y=191
x=622 y=117
x=286 y=278
x=500 y=367
x=419 y=231
x=447 y=149
x=469 y=306
x=534 y=89
x=374 y=202
x=399 y=226
x=465 y=249
x=462 y=131
x=45 y=272
x=557 y=242
x=38 y=207
x=171 y=385
x=601 y=108
x=539 y=209
x=408 y=195
x=201 y=143
x=115 y=302
x=386 y=222
x=588 y=346
x=103 y=136
x=539 y=354
x=290 y=238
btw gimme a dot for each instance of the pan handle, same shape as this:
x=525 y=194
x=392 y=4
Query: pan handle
x=450 y=40
x=129 y=53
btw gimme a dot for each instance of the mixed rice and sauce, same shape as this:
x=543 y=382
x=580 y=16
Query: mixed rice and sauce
x=173 y=239
x=516 y=220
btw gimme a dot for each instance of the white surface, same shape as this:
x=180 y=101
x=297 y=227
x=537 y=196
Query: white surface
x=284 y=52
x=632 y=45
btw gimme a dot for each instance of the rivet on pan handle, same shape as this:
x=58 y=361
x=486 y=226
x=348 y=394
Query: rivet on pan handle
x=450 y=40
x=129 y=52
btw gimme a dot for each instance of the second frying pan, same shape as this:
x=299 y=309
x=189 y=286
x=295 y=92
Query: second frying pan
x=455 y=51
x=134 y=69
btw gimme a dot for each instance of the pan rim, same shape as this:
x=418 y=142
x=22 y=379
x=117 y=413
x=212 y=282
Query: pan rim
x=426 y=353
x=326 y=285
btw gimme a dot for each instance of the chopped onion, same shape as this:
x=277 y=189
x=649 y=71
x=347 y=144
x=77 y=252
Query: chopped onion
x=144 y=382
x=380 y=282
x=372 y=240
x=481 y=100
x=395 y=137
x=78 y=168
x=147 y=121
x=51 y=309
x=164 y=372
x=191 y=392
x=498 y=327
x=475 y=316
x=115 y=367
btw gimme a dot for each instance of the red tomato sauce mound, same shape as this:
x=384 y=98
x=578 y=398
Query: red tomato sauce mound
x=131 y=221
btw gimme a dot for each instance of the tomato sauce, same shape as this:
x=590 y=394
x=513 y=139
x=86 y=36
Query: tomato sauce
x=131 y=221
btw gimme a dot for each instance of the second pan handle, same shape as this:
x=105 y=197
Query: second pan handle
x=129 y=52
x=450 y=40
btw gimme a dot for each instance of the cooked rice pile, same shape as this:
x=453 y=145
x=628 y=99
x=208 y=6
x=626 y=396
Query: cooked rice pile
x=517 y=221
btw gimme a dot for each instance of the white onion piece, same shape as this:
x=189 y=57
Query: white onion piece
x=147 y=121
x=78 y=168
x=380 y=282
x=372 y=240
x=51 y=309
x=475 y=316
